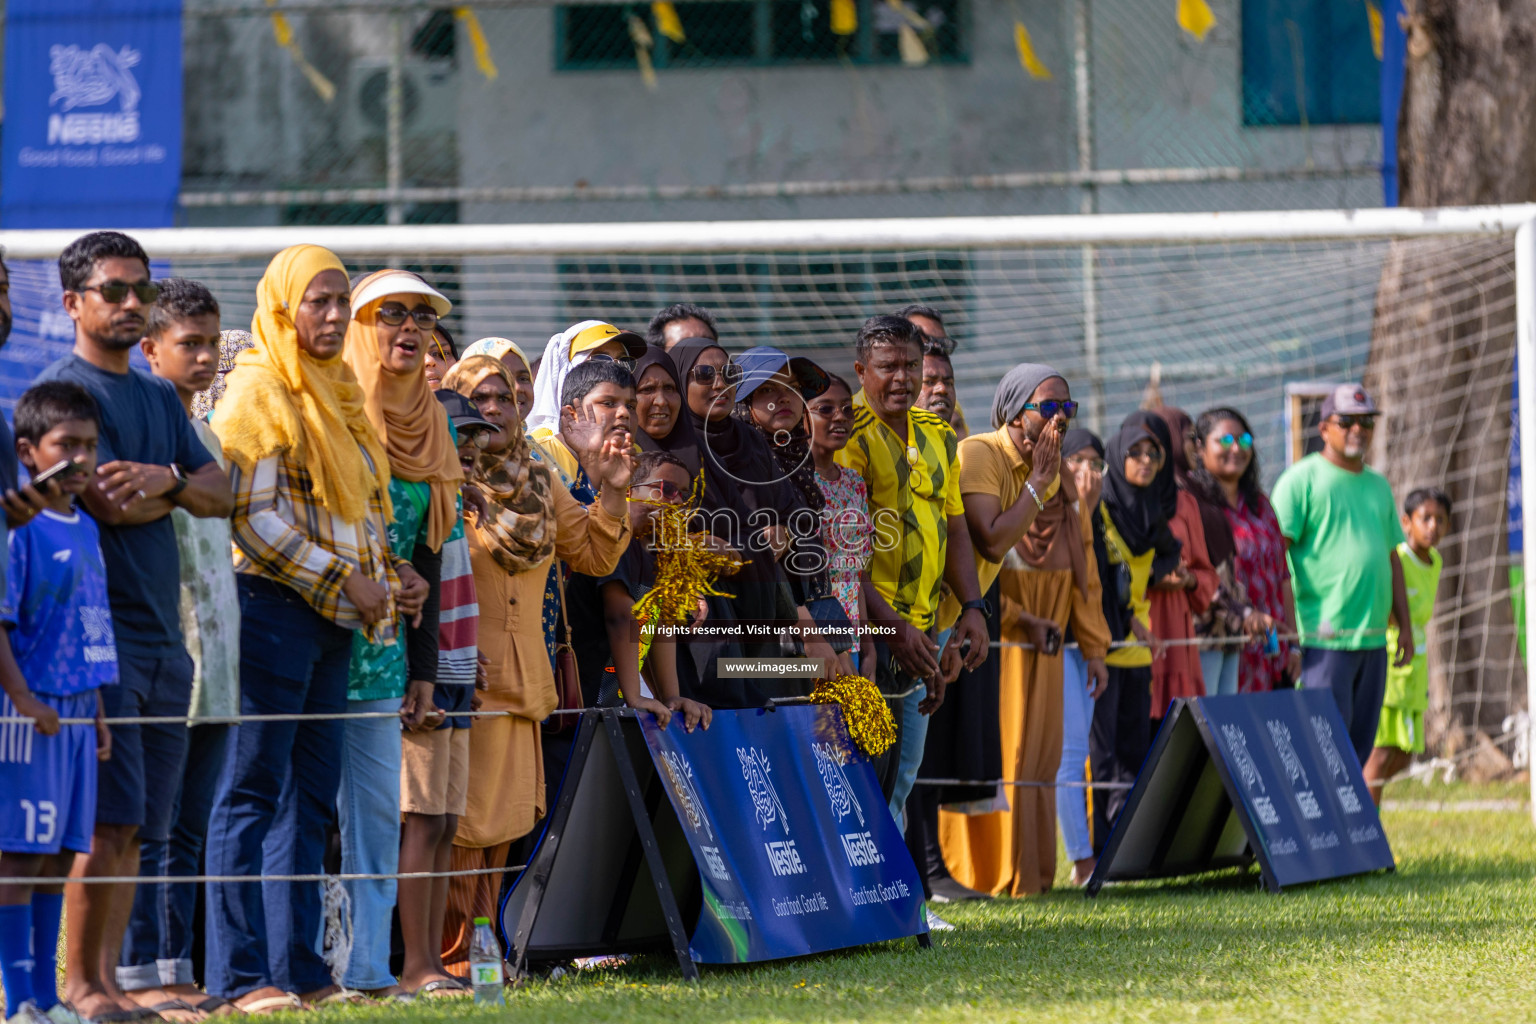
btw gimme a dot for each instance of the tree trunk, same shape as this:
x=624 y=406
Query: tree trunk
x=1442 y=350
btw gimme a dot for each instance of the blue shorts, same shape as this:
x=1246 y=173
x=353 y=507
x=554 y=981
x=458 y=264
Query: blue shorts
x=48 y=783
x=141 y=783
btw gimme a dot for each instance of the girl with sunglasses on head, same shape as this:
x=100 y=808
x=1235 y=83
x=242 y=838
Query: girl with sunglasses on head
x=1225 y=472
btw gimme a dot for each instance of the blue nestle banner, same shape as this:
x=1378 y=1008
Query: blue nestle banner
x=1292 y=766
x=797 y=851
x=92 y=113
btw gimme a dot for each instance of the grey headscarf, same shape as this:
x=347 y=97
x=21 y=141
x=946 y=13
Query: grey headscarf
x=1015 y=388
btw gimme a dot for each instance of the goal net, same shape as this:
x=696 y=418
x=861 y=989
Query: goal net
x=1256 y=311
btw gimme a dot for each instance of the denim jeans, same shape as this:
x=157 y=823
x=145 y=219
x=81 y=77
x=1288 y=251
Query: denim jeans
x=369 y=810
x=157 y=950
x=914 y=737
x=1219 y=666
x=1072 y=801
x=276 y=797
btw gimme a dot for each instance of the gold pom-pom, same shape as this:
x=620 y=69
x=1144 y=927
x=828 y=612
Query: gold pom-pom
x=687 y=566
x=864 y=709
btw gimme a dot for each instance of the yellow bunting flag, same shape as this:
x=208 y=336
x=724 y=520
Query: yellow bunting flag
x=913 y=52
x=282 y=30
x=641 y=37
x=844 y=17
x=1373 y=16
x=1027 y=58
x=1195 y=17
x=477 y=41
x=667 y=21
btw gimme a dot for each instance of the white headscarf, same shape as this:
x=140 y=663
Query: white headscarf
x=556 y=364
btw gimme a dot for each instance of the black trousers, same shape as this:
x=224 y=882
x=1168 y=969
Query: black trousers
x=1117 y=743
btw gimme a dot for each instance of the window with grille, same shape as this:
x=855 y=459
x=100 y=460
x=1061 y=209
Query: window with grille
x=723 y=33
x=1309 y=62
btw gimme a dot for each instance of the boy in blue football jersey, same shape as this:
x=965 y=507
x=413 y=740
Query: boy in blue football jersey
x=56 y=652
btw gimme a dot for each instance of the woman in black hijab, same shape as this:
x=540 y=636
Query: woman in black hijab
x=1139 y=496
x=749 y=501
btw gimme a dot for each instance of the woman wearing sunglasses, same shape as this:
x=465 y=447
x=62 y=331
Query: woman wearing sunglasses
x=1026 y=523
x=772 y=397
x=394 y=315
x=754 y=505
x=1226 y=472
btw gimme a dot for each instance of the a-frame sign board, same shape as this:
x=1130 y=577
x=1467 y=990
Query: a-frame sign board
x=1266 y=777
x=620 y=894
x=765 y=835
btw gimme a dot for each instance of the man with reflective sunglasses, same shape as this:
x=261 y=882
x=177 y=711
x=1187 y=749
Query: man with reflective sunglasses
x=1341 y=532
x=150 y=462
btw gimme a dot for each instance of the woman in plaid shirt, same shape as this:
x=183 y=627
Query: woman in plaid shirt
x=313 y=563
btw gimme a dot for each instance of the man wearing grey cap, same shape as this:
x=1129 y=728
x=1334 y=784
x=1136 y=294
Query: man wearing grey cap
x=1341 y=533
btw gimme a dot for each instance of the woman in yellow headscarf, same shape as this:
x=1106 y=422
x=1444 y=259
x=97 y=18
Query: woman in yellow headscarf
x=311 y=483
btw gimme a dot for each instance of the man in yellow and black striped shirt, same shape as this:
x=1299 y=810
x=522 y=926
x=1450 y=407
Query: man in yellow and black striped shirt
x=908 y=460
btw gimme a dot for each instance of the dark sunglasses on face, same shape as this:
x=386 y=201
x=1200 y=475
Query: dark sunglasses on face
x=116 y=291
x=1365 y=421
x=730 y=373
x=1049 y=410
x=669 y=490
x=479 y=437
x=1153 y=455
x=1243 y=440
x=830 y=410
x=394 y=316
x=1097 y=465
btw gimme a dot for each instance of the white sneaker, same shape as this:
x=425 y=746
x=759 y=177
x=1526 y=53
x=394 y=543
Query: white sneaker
x=28 y=1013
x=937 y=923
x=62 y=1013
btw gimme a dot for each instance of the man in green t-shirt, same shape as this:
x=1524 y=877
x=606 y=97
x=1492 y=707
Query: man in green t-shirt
x=1341 y=534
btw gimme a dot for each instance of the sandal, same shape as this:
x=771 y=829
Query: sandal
x=444 y=988
x=177 y=1006
x=213 y=1006
x=269 y=1004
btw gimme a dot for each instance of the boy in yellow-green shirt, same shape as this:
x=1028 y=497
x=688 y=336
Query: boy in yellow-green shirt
x=1400 y=734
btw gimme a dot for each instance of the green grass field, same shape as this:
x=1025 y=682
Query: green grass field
x=1450 y=936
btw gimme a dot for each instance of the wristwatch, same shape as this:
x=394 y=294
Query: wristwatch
x=181 y=481
x=980 y=605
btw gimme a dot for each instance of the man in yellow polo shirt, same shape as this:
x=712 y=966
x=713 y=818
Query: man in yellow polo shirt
x=908 y=460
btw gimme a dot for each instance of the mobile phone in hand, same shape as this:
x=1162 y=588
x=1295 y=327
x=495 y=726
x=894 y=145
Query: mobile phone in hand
x=61 y=470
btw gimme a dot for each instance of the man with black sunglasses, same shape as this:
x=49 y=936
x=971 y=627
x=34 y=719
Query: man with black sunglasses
x=1341 y=532
x=150 y=462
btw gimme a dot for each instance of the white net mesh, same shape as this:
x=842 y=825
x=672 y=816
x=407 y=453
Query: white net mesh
x=1240 y=324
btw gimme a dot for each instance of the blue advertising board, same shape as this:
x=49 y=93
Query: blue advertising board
x=1296 y=774
x=1266 y=777
x=795 y=847
x=93 y=113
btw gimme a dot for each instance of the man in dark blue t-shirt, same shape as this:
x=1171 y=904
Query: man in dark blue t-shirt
x=149 y=461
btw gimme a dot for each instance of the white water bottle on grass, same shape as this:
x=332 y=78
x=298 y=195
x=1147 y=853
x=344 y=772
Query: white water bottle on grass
x=485 y=965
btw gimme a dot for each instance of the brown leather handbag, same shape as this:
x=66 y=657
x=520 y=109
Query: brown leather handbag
x=567 y=678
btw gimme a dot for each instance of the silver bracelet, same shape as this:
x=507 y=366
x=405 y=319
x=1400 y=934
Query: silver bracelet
x=1031 y=489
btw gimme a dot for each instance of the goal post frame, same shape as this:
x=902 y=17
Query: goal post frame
x=1517 y=221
